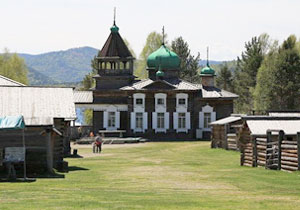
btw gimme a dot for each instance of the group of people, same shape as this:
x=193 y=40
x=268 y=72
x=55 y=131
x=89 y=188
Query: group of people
x=97 y=145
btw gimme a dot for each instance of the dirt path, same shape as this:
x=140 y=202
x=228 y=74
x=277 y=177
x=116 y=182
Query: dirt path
x=87 y=154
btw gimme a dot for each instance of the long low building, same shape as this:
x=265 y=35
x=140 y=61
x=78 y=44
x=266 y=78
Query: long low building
x=47 y=112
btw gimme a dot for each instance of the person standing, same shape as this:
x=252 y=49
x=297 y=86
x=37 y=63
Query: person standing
x=98 y=142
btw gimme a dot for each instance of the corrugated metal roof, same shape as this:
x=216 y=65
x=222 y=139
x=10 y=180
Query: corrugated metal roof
x=260 y=127
x=83 y=97
x=284 y=114
x=226 y=120
x=4 y=81
x=38 y=105
x=213 y=92
x=176 y=83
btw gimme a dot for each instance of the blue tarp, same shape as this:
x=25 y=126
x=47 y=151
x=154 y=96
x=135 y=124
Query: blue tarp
x=12 y=122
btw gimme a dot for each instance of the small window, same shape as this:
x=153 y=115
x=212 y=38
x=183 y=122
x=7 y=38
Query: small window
x=160 y=101
x=139 y=101
x=207 y=119
x=139 y=120
x=181 y=101
x=111 y=119
x=181 y=120
x=161 y=120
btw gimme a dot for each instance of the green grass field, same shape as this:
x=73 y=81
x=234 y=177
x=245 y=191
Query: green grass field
x=184 y=175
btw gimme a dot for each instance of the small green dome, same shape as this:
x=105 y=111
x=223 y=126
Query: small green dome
x=163 y=57
x=207 y=70
x=160 y=73
x=114 y=29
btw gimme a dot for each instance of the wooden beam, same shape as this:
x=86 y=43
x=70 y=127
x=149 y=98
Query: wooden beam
x=49 y=151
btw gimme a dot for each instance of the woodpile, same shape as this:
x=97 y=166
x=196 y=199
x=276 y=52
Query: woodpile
x=289 y=155
x=232 y=141
x=261 y=144
x=247 y=155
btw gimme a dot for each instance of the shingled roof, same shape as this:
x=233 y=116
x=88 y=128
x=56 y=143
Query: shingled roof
x=115 y=47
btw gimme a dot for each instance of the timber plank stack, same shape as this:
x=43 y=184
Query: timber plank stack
x=289 y=155
x=261 y=145
x=232 y=141
x=248 y=155
x=218 y=137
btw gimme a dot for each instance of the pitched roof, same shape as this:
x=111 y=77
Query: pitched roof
x=176 y=83
x=4 y=81
x=213 y=92
x=226 y=120
x=115 y=47
x=38 y=105
x=83 y=97
x=260 y=127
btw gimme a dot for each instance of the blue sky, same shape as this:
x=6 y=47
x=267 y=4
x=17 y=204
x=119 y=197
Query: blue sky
x=37 y=26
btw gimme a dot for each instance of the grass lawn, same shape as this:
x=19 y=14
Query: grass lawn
x=183 y=175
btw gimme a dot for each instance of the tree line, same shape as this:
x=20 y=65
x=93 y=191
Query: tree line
x=266 y=76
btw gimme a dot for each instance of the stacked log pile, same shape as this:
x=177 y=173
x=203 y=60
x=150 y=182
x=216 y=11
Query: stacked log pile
x=247 y=156
x=232 y=141
x=289 y=155
x=218 y=137
x=261 y=145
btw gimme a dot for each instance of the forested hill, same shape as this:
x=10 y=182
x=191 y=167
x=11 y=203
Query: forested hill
x=67 y=66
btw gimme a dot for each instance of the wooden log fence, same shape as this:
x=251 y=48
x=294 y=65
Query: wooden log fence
x=282 y=153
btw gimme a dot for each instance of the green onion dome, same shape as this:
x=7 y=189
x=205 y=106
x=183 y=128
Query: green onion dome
x=163 y=57
x=207 y=70
x=114 y=29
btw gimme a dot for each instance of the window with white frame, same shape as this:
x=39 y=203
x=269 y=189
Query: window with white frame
x=181 y=121
x=161 y=120
x=139 y=120
x=207 y=119
x=139 y=101
x=111 y=119
x=181 y=101
x=160 y=101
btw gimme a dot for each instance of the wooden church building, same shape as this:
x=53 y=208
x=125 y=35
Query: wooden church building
x=162 y=107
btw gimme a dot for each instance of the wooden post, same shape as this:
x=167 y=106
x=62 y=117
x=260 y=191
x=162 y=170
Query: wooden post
x=269 y=136
x=242 y=156
x=49 y=151
x=298 y=149
x=225 y=136
x=280 y=138
x=254 y=149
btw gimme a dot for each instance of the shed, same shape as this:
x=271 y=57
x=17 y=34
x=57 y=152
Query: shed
x=47 y=112
x=261 y=138
x=224 y=132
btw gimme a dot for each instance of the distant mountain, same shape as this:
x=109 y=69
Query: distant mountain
x=68 y=66
x=38 y=79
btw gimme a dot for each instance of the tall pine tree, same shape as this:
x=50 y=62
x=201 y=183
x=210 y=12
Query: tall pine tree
x=278 y=86
x=245 y=75
x=189 y=64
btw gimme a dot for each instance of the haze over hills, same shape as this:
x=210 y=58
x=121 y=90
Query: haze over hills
x=69 y=66
x=66 y=66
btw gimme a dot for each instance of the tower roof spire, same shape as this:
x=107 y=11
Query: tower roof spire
x=207 y=53
x=163 y=35
x=114 y=16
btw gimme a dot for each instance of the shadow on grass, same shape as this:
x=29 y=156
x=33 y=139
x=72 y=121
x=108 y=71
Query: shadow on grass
x=76 y=168
x=74 y=156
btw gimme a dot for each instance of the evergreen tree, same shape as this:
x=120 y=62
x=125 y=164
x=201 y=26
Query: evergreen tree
x=224 y=78
x=278 y=86
x=245 y=75
x=189 y=65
